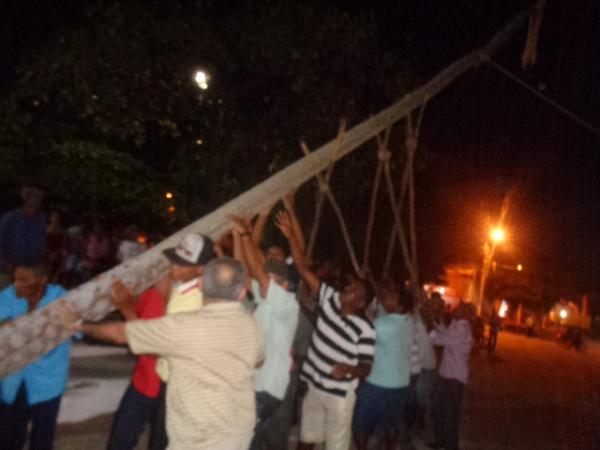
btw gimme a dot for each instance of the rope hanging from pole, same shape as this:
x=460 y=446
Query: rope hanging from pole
x=383 y=156
x=323 y=187
x=325 y=192
x=412 y=141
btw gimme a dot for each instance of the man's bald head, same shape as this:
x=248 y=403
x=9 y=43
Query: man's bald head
x=224 y=279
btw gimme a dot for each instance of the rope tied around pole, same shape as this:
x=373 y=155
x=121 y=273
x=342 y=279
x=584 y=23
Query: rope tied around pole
x=384 y=155
x=323 y=186
x=411 y=142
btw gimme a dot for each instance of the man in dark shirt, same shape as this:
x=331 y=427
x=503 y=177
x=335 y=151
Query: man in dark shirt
x=23 y=232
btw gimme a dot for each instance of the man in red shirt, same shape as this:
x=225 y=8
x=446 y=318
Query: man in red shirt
x=139 y=403
x=144 y=399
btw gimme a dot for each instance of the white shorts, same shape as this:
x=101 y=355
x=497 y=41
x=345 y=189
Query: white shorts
x=327 y=418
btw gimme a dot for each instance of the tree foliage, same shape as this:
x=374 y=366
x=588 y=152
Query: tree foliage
x=116 y=94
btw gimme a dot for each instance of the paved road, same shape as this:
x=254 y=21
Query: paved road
x=534 y=394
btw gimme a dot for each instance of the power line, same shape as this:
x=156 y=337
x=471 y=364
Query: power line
x=584 y=123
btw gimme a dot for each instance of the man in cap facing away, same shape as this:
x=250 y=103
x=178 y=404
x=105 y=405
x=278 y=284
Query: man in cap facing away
x=148 y=387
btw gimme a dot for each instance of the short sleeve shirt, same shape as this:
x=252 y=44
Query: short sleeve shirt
x=395 y=337
x=46 y=378
x=150 y=305
x=336 y=339
x=277 y=315
x=212 y=354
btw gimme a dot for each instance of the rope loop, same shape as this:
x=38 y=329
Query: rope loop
x=384 y=155
x=323 y=186
x=411 y=143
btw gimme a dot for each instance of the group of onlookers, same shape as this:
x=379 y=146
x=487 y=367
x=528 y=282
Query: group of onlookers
x=73 y=255
x=236 y=336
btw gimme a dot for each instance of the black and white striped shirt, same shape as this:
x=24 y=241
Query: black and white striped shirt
x=336 y=339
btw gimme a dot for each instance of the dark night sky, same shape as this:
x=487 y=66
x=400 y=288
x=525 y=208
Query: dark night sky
x=484 y=136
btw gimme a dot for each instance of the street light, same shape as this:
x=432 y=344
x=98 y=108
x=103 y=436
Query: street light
x=202 y=78
x=497 y=235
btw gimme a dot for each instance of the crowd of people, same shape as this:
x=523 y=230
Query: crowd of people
x=238 y=342
x=73 y=254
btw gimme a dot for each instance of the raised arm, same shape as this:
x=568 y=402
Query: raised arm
x=109 y=332
x=307 y=274
x=66 y=315
x=123 y=299
x=251 y=253
x=259 y=225
x=288 y=202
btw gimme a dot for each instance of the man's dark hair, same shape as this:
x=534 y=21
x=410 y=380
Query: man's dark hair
x=223 y=278
x=405 y=300
x=41 y=268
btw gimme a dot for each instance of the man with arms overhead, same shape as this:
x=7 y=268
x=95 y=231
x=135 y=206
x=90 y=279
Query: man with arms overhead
x=340 y=354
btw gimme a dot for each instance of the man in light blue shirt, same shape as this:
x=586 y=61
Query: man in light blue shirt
x=34 y=393
x=381 y=399
x=277 y=314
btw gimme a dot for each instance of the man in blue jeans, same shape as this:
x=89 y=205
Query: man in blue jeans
x=33 y=394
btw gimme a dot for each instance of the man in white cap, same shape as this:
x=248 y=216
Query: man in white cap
x=187 y=264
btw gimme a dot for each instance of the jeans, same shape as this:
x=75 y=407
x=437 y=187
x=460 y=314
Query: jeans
x=425 y=384
x=447 y=400
x=278 y=435
x=14 y=419
x=135 y=410
x=158 y=431
x=266 y=405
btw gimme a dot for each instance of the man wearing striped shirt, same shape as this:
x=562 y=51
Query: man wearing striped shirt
x=340 y=354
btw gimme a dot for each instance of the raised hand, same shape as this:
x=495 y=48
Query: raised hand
x=282 y=221
x=341 y=371
x=119 y=294
x=240 y=225
x=265 y=212
x=289 y=199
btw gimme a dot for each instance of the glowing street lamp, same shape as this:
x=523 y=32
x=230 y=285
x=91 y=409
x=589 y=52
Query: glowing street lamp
x=563 y=314
x=202 y=78
x=497 y=235
x=519 y=267
x=169 y=195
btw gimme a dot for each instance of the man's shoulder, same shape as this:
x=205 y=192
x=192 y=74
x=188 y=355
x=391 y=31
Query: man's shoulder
x=8 y=302
x=362 y=322
x=150 y=305
x=278 y=292
x=8 y=293
x=11 y=215
x=327 y=292
x=54 y=291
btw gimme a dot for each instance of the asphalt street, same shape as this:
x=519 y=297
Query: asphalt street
x=532 y=394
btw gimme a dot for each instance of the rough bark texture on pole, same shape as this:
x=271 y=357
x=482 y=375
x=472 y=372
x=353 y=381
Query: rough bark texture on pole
x=28 y=337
